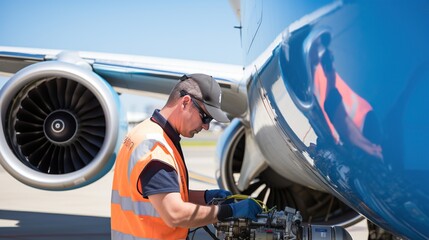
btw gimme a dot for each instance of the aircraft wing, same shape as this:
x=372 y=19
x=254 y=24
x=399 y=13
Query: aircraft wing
x=135 y=74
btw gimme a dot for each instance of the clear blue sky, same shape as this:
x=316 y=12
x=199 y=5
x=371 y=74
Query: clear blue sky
x=186 y=29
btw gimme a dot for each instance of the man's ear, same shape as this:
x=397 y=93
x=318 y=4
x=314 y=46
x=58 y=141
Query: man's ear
x=185 y=101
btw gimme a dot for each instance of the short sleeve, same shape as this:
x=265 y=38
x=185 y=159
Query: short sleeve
x=158 y=177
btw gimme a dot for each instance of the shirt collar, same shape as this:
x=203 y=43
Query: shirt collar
x=172 y=134
x=166 y=126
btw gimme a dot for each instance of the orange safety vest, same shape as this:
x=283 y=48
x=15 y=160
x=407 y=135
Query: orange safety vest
x=132 y=216
x=355 y=106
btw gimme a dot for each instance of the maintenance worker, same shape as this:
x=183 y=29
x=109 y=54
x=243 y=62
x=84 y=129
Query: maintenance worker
x=150 y=194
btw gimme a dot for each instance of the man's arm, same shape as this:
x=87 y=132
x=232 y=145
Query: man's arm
x=177 y=213
x=197 y=197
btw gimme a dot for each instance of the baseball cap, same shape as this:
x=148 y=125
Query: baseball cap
x=211 y=95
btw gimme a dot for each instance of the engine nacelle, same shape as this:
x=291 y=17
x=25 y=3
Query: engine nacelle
x=60 y=125
x=235 y=147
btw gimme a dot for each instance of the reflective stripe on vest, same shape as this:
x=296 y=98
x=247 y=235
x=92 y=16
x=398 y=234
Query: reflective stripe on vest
x=142 y=149
x=132 y=216
x=139 y=208
x=355 y=106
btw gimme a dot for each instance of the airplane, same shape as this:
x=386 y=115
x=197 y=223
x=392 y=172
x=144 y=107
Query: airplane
x=328 y=111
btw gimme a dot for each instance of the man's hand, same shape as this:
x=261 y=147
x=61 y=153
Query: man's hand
x=215 y=193
x=247 y=208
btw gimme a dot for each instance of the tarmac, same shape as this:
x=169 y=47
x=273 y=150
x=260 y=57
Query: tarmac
x=27 y=213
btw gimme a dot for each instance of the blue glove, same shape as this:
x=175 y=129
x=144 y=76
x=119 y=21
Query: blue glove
x=215 y=193
x=247 y=208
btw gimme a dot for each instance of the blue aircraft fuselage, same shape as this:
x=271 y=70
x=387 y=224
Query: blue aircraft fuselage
x=359 y=73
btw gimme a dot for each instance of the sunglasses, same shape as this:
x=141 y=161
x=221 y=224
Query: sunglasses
x=205 y=118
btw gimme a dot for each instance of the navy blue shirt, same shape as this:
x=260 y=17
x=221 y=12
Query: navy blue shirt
x=159 y=177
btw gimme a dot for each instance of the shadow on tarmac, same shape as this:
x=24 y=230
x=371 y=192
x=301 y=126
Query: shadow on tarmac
x=36 y=225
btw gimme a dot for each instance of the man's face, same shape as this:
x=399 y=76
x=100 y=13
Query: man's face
x=193 y=112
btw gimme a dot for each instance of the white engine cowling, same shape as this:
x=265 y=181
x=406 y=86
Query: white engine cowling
x=60 y=125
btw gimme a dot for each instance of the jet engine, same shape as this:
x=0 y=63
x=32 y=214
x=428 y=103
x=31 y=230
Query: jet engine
x=60 y=124
x=316 y=205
